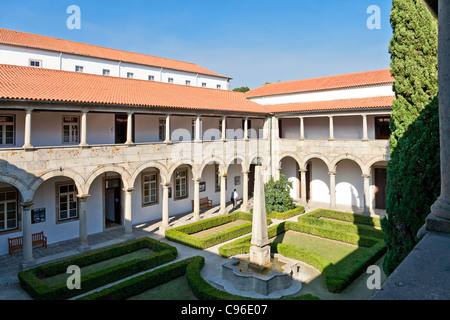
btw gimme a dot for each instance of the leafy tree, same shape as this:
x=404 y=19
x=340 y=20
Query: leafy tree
x=413 y=177
x=241 y=89
x=277 y=195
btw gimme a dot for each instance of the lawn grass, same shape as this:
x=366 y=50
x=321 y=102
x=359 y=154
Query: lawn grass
x=177 y=289
x=333 y=251
x=102 y=265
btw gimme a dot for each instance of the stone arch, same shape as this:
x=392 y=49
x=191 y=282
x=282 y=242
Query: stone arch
x=289 y=155
x=25 y=193
x=304 y=162
x=210 y=161
x=243 y=163
x=162 y=172
x=335 y=162
x=68 y=173
x=371 y=162
x=124 y=174
x=190 y=163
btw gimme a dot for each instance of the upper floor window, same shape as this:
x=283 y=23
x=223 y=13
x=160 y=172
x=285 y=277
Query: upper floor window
x=8 y=210
x=71 y=132
x=106 y=72
x=7 y=124
x=162 y=129
x=219 y=86
x=204 y=84
x=79 y=69
x=188 y=82
x=170 y=80
x=67 y=202
x=151 y=78
x=35 y=63
x=382 y=130
x=130 y=75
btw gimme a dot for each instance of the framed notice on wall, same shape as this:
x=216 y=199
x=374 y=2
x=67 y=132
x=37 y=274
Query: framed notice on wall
x=38 y=215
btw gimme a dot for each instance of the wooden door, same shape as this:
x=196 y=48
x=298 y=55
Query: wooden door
x=380 y=186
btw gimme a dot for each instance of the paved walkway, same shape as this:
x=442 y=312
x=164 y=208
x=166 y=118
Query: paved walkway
x=10 y=266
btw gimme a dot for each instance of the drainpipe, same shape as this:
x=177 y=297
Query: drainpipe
x=120 y=62
x=60 y=61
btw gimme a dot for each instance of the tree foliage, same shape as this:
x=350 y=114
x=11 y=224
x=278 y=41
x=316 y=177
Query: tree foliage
x=241 y=89
x=277 y=195
x=413 y=173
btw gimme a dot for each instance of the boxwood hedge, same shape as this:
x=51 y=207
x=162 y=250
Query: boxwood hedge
x=30 y=280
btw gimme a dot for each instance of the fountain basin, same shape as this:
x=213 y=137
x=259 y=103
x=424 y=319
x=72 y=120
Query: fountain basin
x=279 y=276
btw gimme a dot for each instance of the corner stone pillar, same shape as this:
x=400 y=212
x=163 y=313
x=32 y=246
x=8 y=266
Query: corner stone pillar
x=196 y=199
x=223 y=194
x=84 y=245
x=439 y=220
x=332 y=190
x=165 y=207
x=27 y=259
x=128 y=216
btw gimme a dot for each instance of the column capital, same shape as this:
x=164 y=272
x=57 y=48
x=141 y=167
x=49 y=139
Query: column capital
x=166 y=184
x=366 y=175
x=303 y=170
x=83 y=197
x=196 y=180
x=128 y=190
x=27 y=205
x=245 y=172
x=332 y=173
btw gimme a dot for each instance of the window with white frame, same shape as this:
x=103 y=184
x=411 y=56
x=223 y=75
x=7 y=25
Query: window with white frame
x=130 y=75
x=67 y=202
x=79 y=69
x=151 y=78
x=35 y=63
x=170 y=80
x=162 y=129
x=188 y=82
x=219 y=86
x=150 y=188
x=204 y=84
x=7 y=130
x=106 y=72
x=71 y=129
x=8 y=210
x=181 y=186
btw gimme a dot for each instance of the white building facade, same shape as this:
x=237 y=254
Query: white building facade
x=81 y=152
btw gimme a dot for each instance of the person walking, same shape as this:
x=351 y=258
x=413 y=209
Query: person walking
x=234 y=198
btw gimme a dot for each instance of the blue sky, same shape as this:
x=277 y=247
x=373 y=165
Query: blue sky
x=252 y=41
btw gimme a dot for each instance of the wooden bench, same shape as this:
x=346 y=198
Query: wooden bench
x=204 y=202
x=17 y=243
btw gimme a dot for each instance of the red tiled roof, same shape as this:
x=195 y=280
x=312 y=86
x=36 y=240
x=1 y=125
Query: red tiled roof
x=347 y=104
x=23 y=39
x=47 y=85
x=324 y=83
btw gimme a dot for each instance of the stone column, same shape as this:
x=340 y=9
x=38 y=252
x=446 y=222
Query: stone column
x=302 y=128
x=224 y=129
x=245 y=206
x=332 y=189
x=83 y=140
x=441 y=208
x=27 y=258
x=365 y=133
x=196 y=198
x=165 y=207
x=366 y=178
x=223 y=194
x=331 y=125
x=27 y=137
x=168 y=140
x=246 y=129
x=82 y=202
x=130 y=129
x=197 y=130
x=128 y=222
x=303 y=186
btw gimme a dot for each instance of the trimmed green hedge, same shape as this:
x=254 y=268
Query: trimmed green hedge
x=337 y=276
x=288 y=214
x=30 y=280
x=183 y=234
x=345 y=216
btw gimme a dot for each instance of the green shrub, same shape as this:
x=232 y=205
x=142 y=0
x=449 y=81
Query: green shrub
x=30 y=280
x=287 y=214
x=277 y=195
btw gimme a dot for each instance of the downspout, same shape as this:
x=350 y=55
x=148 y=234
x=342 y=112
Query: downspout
x=60 y=61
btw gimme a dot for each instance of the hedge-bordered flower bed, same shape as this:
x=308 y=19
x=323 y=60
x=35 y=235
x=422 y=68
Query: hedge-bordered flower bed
x=30 y=280
x=337 y=276
x=183 y=234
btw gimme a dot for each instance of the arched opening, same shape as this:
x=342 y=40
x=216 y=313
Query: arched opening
x=349 y=185
x=289 y=167
x=378 y=182
x=317 y=181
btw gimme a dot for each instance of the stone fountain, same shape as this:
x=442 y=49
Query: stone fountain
x=260 y=272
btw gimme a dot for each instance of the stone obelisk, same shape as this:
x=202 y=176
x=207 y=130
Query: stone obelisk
x=260 y=250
